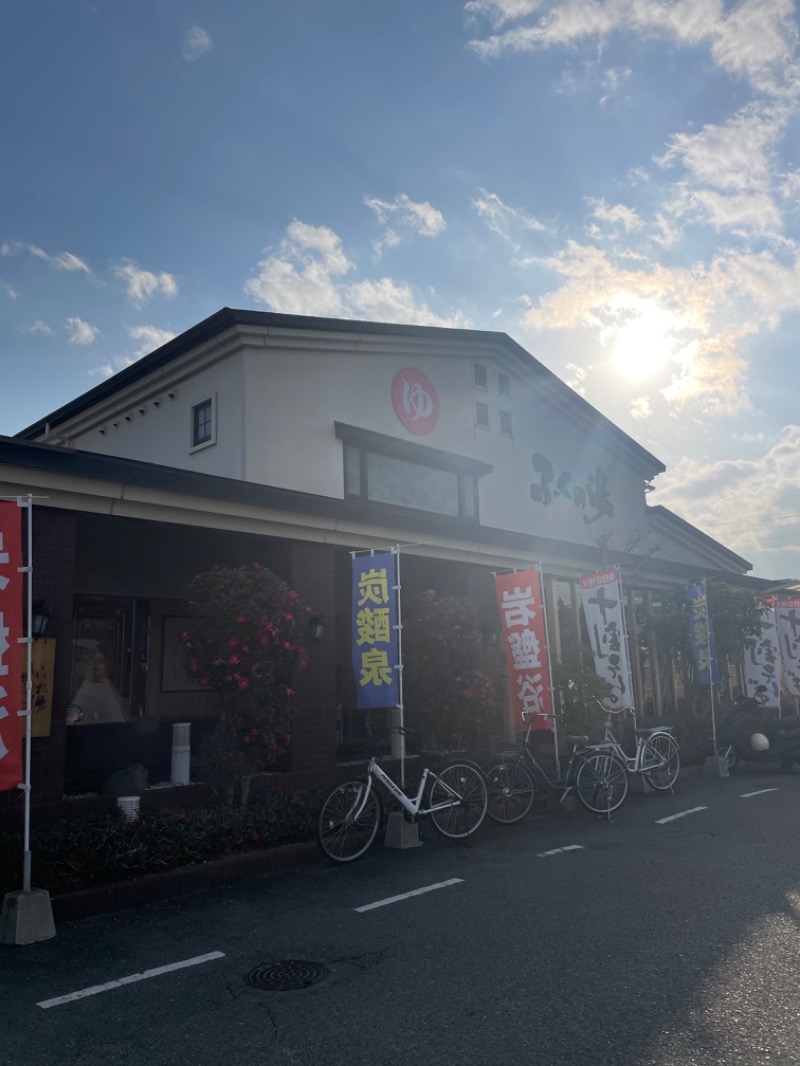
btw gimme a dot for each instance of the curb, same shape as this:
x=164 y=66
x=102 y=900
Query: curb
x=153 y=888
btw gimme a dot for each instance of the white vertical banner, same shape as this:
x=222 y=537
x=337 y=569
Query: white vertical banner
x=602 y=601
x=762 y=661
x=787 y=611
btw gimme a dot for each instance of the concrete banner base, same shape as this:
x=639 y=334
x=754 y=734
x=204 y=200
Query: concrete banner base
x=26 y=917
x=400 y=833
x=716 y=766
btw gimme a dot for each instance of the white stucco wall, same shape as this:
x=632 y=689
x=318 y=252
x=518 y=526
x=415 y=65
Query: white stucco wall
x=279 y=393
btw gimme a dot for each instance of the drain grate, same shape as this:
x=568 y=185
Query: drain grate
x=286 y=976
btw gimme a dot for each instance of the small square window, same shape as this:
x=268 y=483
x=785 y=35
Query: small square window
x=480 y=376
x=203 y=423
x=504 y=385
x=482 y=415
x=505 y=423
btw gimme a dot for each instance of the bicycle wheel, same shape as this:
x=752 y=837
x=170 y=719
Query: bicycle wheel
x=342 y=836
x=468 y=782
x=511 y=792
x=601 y=782
x=662 y=761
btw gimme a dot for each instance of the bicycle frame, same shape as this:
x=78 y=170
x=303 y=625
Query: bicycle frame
x=412 y=805
x=565 y=785
x=634 y=764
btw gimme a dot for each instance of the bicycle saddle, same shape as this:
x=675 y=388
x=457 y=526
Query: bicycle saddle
x=578 y=742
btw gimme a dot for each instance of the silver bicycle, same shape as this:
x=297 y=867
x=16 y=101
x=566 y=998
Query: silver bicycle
x=454 y=796
x=657 y=756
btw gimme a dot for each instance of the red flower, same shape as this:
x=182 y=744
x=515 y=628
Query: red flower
x=288 y=617
x=264 y=638
x=233 y=642
x=234 y=660
x=255 y=837
x=243 y=683
x=242 y=618
x=278 y=790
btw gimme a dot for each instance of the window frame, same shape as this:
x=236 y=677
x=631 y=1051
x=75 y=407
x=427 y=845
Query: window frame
x=481 y=405
x=484 y=370
x=209 y=402
x=358 y=444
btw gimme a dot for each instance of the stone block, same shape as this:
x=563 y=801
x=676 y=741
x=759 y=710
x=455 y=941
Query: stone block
x=716 y=766
x=26 y=917
x=400 y=833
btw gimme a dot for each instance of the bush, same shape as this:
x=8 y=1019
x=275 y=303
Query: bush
x=448 y=701
x=245 y=641
x=77 y=853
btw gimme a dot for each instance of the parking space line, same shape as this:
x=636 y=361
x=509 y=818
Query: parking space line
x=408 y=895
x=132 y=979
x=682 y=814
x=557 y=851
x=761 y=791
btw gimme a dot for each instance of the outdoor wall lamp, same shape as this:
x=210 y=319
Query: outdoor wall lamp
x=316 y=624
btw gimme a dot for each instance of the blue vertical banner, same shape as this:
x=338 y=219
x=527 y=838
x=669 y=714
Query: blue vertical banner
x=375 y=636
x=701 y=634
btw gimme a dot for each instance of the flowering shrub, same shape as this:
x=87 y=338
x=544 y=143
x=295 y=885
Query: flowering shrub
x=448 y=701
x=244 y=641
x=76 y=853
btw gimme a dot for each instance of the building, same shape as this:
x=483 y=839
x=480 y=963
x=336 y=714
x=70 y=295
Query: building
x=293 y=441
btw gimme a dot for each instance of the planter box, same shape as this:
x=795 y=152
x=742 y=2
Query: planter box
x=152 y=888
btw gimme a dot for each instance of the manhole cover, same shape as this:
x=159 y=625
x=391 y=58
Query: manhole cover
x=286 y=976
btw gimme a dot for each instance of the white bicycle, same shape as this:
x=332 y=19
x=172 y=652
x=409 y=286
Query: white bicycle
x=454 y=796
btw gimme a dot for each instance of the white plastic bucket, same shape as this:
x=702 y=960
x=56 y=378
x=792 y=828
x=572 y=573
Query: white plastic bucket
x=129 y=805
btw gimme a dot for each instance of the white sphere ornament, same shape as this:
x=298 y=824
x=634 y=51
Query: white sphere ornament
x=758 y=742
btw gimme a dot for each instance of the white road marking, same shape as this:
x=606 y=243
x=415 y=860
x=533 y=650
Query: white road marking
x=95 y=989
x=557 y=851
x=408 y=895
x=672 y=817
x=761 y=791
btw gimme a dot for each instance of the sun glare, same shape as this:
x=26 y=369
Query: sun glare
x=644 y=344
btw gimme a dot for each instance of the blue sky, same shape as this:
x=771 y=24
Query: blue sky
x=616 y=184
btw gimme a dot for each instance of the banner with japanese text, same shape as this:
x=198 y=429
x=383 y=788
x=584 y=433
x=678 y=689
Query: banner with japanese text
x=701 y=634
x=11 y=632
x=601 y=597
x=521 y=605
x=762 y=661
x=375 y=641
x=787 y=611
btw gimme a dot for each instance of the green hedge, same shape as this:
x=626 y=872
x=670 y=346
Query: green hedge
x=76 y=853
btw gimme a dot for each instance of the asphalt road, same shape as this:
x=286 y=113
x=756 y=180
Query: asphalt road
x=643 y=942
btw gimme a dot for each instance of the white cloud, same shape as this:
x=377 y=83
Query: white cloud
x=142 y=284
x=151 y=337
x=39 y=327
x=80 y=332
x=305 y=276
x=63 y=261
x=196 y=43
x=420 y=218
x=615 y=215
x=510 y=223
x=716 y=308
x=641 y=409
x=299 y=278
x=755 y=40
x=751 y=505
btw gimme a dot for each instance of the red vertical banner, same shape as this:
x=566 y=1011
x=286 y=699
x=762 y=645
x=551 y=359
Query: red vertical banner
x=521 y=605
x=11 y=631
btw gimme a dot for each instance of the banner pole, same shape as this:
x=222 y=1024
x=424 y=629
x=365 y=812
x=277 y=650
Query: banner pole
x=711 y=669
x=549 y=669
x=624 y=615
x=400 y=708
x=26 y=857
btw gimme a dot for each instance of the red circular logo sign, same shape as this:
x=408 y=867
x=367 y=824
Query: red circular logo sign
x=415 y=400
